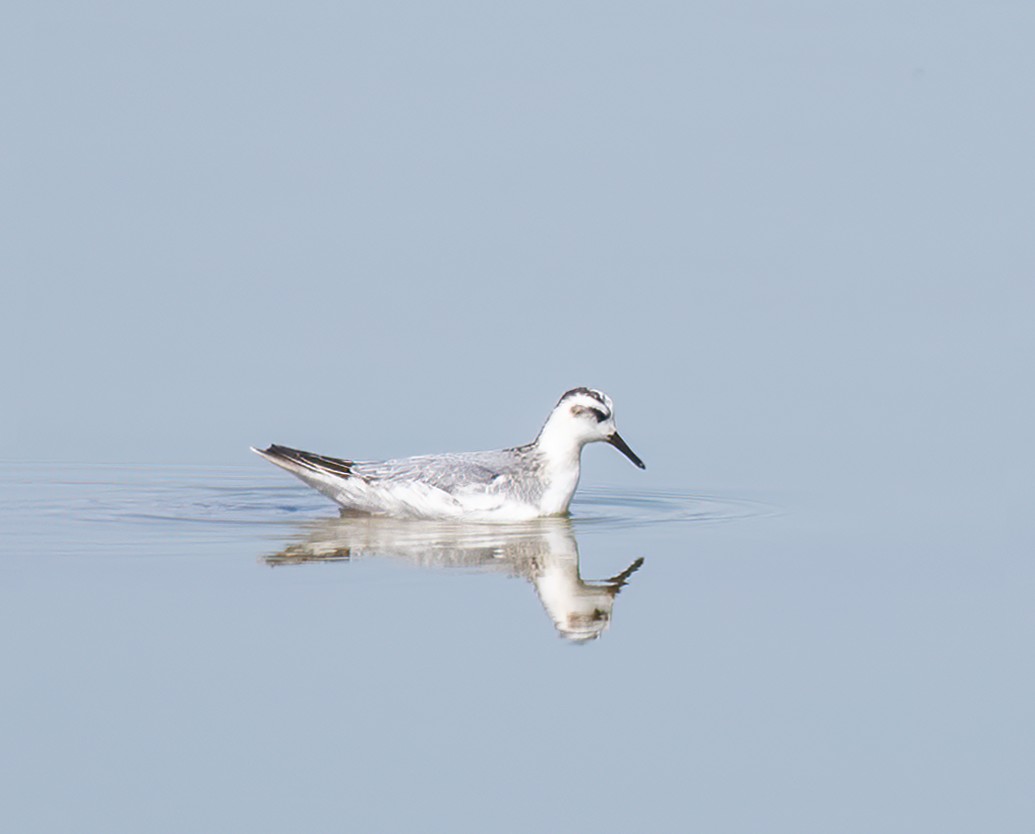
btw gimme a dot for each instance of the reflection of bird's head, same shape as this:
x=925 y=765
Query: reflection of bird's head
x=580 y=610
x=580 y=626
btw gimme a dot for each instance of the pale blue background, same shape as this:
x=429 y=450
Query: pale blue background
x=794 y=242
x=768 y=230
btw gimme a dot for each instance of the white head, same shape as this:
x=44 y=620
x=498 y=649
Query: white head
x=584 y=415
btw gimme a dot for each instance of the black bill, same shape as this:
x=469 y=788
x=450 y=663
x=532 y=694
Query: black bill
x=623 y=447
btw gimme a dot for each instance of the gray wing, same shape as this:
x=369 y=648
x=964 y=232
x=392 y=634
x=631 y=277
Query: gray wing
x=449 y=472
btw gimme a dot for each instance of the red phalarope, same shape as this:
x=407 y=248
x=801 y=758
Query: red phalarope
x=538 y=479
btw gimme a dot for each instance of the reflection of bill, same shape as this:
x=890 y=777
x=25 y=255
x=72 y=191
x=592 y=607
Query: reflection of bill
x=543 y=551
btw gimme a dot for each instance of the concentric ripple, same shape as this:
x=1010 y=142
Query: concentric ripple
x=620 y=507
x=240 y=496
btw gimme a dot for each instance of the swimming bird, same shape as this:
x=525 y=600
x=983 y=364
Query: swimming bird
x=530 y=481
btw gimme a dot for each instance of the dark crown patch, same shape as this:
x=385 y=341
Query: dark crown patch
x=589 y=392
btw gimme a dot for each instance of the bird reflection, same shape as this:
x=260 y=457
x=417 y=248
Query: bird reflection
x=543 y=551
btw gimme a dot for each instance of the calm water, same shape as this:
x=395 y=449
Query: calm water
x=213 y=649
x=792 y=241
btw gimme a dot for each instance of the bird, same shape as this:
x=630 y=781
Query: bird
x=535 y=480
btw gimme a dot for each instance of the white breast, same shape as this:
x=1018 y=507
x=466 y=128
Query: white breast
x=563 y=479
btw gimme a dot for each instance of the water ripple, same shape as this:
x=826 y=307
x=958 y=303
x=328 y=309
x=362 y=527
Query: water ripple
x=239 y=496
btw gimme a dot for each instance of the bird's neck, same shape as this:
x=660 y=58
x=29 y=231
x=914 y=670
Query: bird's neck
x=558 y=447
x=560 y=454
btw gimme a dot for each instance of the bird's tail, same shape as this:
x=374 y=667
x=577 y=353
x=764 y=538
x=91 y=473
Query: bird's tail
x=306 y=463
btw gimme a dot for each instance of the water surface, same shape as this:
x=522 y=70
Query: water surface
x=223 y=631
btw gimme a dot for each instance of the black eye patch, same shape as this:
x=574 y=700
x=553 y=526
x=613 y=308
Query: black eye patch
x=596 y=412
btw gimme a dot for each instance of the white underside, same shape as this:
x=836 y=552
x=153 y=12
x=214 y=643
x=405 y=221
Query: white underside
x=415 y=499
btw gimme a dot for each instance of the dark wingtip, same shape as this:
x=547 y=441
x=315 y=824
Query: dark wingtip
x=310 y=460
x=279 y=451
x=272 y=449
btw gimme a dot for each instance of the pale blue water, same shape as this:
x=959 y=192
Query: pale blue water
x=192 y=648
